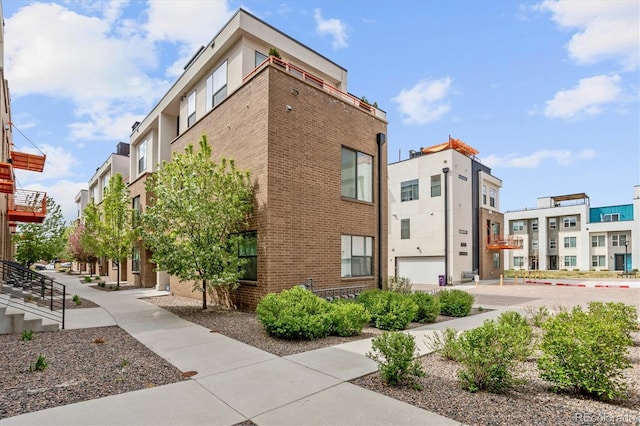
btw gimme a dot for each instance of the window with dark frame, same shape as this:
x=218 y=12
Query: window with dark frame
x=357 y=256
x=135 y=259
x=136 y=211
x=248 y=250
x=409 y=190
x=357 y=175
x=405 y=229
x=436 y=186
x=191 y=109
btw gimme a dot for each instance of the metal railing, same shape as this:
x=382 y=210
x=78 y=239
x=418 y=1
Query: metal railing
x=39 y=294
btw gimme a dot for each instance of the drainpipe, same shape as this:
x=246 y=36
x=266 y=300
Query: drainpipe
x=446 y=226
x=381 y=138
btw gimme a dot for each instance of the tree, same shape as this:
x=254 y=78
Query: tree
x=90 y=237
x=42 y=241
x=115 y=235
x=82 y=246
x=192 y=224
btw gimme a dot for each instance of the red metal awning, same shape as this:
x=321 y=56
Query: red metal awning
x=31 y=162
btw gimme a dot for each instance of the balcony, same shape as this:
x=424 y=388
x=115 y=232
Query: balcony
x=30 y=162
x=318 y=82
x=504 y=243
x=27 y=206
x=7 y=184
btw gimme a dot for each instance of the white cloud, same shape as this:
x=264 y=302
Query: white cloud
x=333 y=27
x=425 y=102
x=63 y=193
x=585 y=99
x=608 y=29
x=60 y=163
x=532 y=161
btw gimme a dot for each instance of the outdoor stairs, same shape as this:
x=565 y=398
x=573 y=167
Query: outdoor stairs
x=14 y=319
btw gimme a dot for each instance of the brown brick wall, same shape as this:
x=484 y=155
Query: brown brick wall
x=146 y=277
x=295 y=159
x=487 y=271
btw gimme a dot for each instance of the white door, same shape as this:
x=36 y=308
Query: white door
x=421 y=270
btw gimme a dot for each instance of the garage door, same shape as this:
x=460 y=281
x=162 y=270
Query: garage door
x=421 y=270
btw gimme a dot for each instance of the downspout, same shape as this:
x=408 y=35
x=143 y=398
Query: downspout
x=446 y=226
x=381 y=138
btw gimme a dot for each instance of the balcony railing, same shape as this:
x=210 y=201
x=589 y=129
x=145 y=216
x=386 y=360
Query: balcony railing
x=504 y=243
x=318 y=82
x=27 y=206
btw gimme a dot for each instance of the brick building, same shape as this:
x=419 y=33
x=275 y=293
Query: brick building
x=316 y=154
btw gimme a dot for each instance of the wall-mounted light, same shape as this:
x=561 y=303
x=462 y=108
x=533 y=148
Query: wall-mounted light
x=289 y=107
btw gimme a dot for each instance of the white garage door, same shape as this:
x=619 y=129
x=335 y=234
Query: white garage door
x=421 y=270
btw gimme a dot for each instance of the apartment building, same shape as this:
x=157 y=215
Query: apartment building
x=565 y=232
x=444 y=216
x=315 y=152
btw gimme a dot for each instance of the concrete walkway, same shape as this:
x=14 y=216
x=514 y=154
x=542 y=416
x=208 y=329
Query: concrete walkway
x=235 y=382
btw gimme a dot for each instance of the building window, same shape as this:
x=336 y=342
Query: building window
x=463 y=231
x=569 y=222
x=136 y=210
x=463 y=253
x=493 y=197
x=611 y=217
x=436 y=186
x=570 y=261
x=409 y=190
x=598 y=241
x=553 y=243
x=142 y=156
x=618 y=240
x=191 y=109
x=553 y=223
x=496 y=260
x=248 y=250
x=135 y=259
x=461 y=177
x=217 y=85
x=357 y=175
x=534 y=244
x=463 y=244
x=518 y=261
x=260 y=58
x=484 y=194
x=534 y=224
x=105 y=184
x=357 y=256
x=405 y=229
x=598 y=261
x=517 y=225
x=569 y=242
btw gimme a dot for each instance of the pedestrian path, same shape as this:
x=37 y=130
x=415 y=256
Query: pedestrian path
x=235 y=382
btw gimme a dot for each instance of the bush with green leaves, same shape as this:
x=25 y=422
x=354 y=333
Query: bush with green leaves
x=77 y=300
x=455 y=303
x=389 y=310
x=428 y=307
x=586 y=351
x=446 y=342
x=489 y=353
x=348 y=318
x=87 y=279
x=295 y=314
x=40 y=365
x=398 y=285
x=395 y=354
x=27 y=335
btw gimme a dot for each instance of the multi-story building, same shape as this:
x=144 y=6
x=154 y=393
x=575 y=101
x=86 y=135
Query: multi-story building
x=315 y=152
x=565 y=232
x=444 y=213
x=81 y=199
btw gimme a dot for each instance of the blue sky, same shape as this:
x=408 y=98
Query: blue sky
x=547 y=91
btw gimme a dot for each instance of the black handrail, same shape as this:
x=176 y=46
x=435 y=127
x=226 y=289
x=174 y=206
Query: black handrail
x=41 y=294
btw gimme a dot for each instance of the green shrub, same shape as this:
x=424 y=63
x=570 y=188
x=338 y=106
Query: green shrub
x=27 y=335
x=538 y=316
x=294 y=314
x=516 y=334
x=446 y=342
x=348 y=318
x=395 y=354
x=585 y=352
x=389 y=310
x=87 y=279
x=40 y=365
x=400 y=285
x=428 y=307
x=455 y=303
x=76 y=299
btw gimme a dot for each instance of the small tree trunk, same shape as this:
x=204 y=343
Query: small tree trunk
x=118 y=275
x=204 y=294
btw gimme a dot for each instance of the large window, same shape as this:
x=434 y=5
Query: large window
x=553 y=223
x=191 y=109
x=436 y=186
x=553 y=243
x=534 y=224
x=260 y=58
x=135 y=259
x=357 y=256
x=611 y=217
x=142 y=156
x=217 y=86
x=409 y=190
x=484 y=194
x=518 y=261
x=493 y=197
x=598 y=241
x=136 y=210
x=618 y=240
x=248 y=250
x=357 y=175
x=105 y=184
x=570 y=261
x=405 y=229
x=496 y=260
x=517 y=225
x=598 y=261
x=569 y=242
x=569 y=222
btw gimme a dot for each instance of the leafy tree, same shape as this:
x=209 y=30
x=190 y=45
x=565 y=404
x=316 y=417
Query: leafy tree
x=89 y=238
x=42 y=241
x=115 y=234
x=80 y=245
x=191 y=224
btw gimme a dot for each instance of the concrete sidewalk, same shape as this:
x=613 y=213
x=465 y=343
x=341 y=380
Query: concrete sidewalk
x=235 y=382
